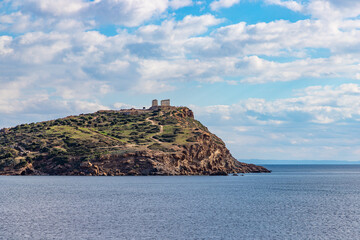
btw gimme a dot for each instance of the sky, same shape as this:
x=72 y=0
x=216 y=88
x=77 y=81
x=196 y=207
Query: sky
x=275 y=79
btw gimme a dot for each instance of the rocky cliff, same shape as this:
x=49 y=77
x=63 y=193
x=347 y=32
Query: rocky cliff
x=165 y=141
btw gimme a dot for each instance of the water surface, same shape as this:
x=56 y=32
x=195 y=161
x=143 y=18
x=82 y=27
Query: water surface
x=293 y=202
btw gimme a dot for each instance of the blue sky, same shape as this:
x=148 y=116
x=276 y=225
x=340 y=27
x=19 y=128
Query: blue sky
x=275 y=79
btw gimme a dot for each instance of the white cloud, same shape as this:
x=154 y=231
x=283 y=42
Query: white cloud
x=316 y=104
x=256 y=70
x=333 y=9
x=122 y=12
x=171 y=30
x=320 y=122
x=9 y=92
x=171 y=37
x=176 y=4
x=19 y=22
x=154 y=57
x=56 y=8
x=278 y=37
x=38 y=47
x=72 y=25
x=86 y=107
x=329 y=10
x=174 y=39
x=290 y=4
x=152 y=86
x=120 y=105
x=14 y=100
x=5 y=41
x=128 y=12
x=217 y=4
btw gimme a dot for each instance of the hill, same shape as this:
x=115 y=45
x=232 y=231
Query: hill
x=162 y=141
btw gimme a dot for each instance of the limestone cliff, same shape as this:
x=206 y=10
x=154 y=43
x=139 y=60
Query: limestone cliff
x=165 y=141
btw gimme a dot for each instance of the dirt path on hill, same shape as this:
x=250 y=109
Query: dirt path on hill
x=157 y=124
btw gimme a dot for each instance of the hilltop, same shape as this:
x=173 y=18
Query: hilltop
x=155 y=141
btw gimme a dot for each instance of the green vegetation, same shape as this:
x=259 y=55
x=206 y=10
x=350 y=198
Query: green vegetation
x=87 y=137
x=158 y=146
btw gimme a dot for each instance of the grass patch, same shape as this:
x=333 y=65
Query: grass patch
x=158 y=146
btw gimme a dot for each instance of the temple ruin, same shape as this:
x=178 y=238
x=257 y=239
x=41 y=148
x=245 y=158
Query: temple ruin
x=165 y=103
x=154 y=103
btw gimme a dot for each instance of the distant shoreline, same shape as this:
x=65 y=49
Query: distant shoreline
x=298 y=162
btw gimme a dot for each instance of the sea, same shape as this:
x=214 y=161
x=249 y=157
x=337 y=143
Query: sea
x=292 y=202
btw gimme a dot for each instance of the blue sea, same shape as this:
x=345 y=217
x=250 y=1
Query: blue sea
x=292 y=202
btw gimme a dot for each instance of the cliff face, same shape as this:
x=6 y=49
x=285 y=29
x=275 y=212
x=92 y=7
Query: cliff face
x=167 y=141
x=205 y=157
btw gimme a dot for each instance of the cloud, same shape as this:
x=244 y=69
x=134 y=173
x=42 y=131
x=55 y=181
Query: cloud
x=170 y=38
x=119 y=105
x=43 y=109
x=176 y=4
x=288 y=50
x=17 y=22
x=256 y=70
x=55 y=8
x=128 y=12
x=155 y=57
x=85 y=65
x=189 y=26
x=292 y=5
x=5 y=41
x=9 y=93
x=330 y=10
x=281 y=37
x=318 y=122
x=315 y=104
x=338 y=9
x=217 y=4
x=125 y=12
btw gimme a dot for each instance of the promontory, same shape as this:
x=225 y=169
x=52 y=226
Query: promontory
x=161 y=140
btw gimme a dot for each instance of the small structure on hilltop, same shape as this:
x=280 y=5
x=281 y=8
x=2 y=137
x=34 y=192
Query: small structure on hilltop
x=165 y=103
x=154 y=103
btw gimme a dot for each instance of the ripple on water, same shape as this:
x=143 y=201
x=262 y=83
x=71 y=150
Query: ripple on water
x=290 y=203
